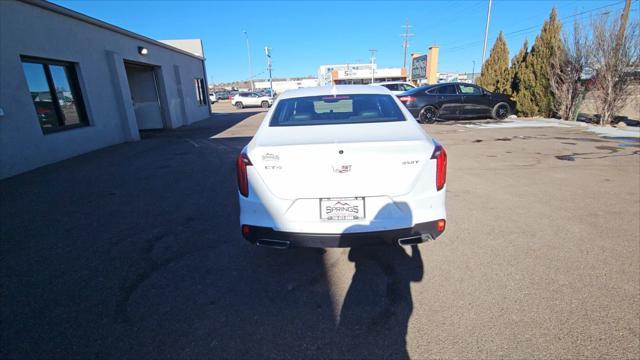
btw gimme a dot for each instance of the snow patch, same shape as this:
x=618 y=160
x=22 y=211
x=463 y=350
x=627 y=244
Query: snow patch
x=614 y=132
x=516 y=124
x=544 y=122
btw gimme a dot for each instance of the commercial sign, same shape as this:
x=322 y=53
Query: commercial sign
x=419 y=67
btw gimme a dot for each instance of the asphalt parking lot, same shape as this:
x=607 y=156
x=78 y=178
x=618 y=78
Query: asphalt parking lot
x=134 y=251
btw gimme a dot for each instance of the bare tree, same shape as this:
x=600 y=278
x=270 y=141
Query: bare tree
x=565 y=70
x=615 y=49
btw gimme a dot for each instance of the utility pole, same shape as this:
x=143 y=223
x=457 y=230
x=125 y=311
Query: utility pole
x=373 y=61
x=473 y=71
x=246 y=35
x=624 y=18
x=267 y=52
x=405 y=42
x=486 y=32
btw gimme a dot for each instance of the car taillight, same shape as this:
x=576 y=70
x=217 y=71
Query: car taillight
x=241 y=169
x=246 y=231
x=440 y=155
x=407 y=99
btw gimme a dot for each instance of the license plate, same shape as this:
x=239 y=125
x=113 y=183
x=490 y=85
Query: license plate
x=342 y=209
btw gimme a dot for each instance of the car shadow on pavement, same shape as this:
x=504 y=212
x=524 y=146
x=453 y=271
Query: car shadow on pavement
x=134 y=251
x=378 y=305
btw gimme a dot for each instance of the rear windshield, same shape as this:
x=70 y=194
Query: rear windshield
x=340 y=109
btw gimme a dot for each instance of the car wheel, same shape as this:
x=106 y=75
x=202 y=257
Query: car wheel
x=239 y=105
x=501 y=111
x=265 y=104
x=428 y=115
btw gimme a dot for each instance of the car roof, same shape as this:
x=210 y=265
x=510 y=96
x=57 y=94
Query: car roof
x=392 y=82
x=456 y=83
x=427 y=87
x=336 y=89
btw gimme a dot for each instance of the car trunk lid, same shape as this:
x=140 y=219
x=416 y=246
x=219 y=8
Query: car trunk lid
x=341 y=160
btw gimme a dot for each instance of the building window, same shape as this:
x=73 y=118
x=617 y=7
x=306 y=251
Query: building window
x=54 y=89
x=201 y=94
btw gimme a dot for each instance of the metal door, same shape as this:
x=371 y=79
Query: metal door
x=144 y=96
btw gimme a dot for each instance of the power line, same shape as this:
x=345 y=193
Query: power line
x=482 y=2
x=457 y=18
x=564 y=18
x=530 y=28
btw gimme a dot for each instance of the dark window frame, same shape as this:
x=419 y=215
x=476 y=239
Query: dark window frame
x=71 y=72
x=201 y=91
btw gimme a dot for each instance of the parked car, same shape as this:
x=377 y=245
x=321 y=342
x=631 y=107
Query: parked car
x=222 y=95
x=232 y=93
x=266 y=92
x=396 y=87
x=245 y=99
x=455 y=101
x=213 y=98
x=339 y=167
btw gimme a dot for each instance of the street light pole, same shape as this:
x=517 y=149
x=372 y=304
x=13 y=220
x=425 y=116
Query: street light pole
x=373 y=61
x=267 y=52
x=473 y=71
x=246 y=35
x=486 y=32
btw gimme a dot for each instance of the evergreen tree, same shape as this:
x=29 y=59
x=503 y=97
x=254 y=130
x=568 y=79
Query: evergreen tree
x=538 y=62
x=521 y=81
x=494 y=75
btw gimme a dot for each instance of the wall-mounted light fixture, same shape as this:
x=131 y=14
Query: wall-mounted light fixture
x=143 y=50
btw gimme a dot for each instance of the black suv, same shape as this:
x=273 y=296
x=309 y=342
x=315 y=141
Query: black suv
x=455 y=101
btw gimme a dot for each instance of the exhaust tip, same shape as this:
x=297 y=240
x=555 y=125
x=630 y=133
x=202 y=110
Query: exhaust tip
x=414 y=240
x=274 y=244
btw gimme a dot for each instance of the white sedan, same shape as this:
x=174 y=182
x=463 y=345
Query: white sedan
x=396 y=87
x=338 y=167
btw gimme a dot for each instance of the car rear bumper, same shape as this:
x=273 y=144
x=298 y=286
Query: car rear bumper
x=268 y=237
x=414 y=110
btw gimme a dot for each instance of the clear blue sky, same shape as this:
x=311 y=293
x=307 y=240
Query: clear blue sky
x=304 y=35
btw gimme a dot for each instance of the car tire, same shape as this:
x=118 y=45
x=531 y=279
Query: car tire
x=239 y=105
x=501 y=111
x=264 y=104
x=428 y=115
